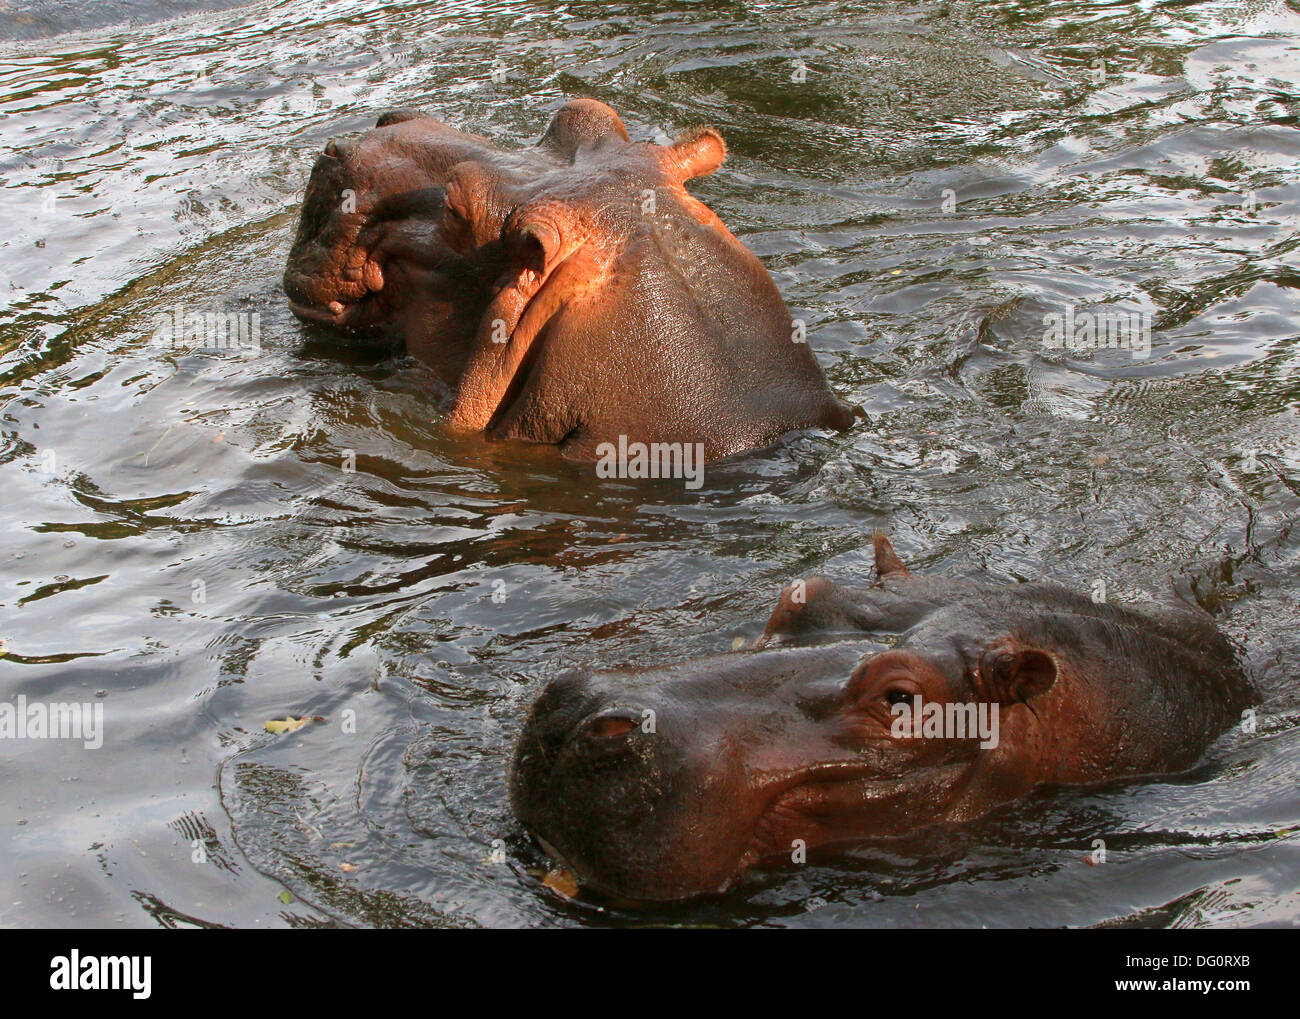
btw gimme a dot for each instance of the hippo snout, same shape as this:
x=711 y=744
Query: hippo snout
x=577 y=729
x=653 y=784
x=613 y=781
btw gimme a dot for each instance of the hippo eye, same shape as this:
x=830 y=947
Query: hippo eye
x=897 y=696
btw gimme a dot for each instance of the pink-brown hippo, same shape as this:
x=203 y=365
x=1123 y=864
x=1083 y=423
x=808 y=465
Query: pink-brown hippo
x=567 y=293
x=669 y=781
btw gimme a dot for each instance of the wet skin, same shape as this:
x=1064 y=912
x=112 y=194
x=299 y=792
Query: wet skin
x=567 y=293
x=750 y=752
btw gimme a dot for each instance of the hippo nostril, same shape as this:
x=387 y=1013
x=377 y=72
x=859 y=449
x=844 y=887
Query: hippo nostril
x=612 y=724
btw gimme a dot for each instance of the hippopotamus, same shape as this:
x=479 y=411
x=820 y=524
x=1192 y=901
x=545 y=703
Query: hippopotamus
x=665 y=782
x=567 y=293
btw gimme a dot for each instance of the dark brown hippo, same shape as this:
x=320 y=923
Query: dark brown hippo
x=567 y=293
x=661 y=783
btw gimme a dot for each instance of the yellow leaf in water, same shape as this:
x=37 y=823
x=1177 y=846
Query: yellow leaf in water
x=347 y=868
x=280 y=726
x=561 y=881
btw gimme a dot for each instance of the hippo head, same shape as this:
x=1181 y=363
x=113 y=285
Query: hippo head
x=555 y=286
x=659 y=784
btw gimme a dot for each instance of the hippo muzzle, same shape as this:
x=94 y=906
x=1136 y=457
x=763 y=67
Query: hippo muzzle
x=365 y=222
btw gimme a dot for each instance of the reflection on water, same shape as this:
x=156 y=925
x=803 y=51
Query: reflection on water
x=926 y=183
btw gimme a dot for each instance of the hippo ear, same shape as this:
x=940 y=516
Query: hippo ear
x=695 y=154
x=810 y=607
x=468 y=201
x=398 y=116
x=582 y=122
x=887 y=562
x=1011 y=671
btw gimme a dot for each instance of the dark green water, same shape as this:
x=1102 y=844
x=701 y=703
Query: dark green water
x=1125 y=156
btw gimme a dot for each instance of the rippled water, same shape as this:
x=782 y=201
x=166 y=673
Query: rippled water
x=182 y=545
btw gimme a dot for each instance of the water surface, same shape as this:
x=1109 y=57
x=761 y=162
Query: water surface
x=183 y=545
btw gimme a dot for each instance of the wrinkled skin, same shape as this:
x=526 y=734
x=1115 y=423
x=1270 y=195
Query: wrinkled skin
x=752 y=751
x=548 y=296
